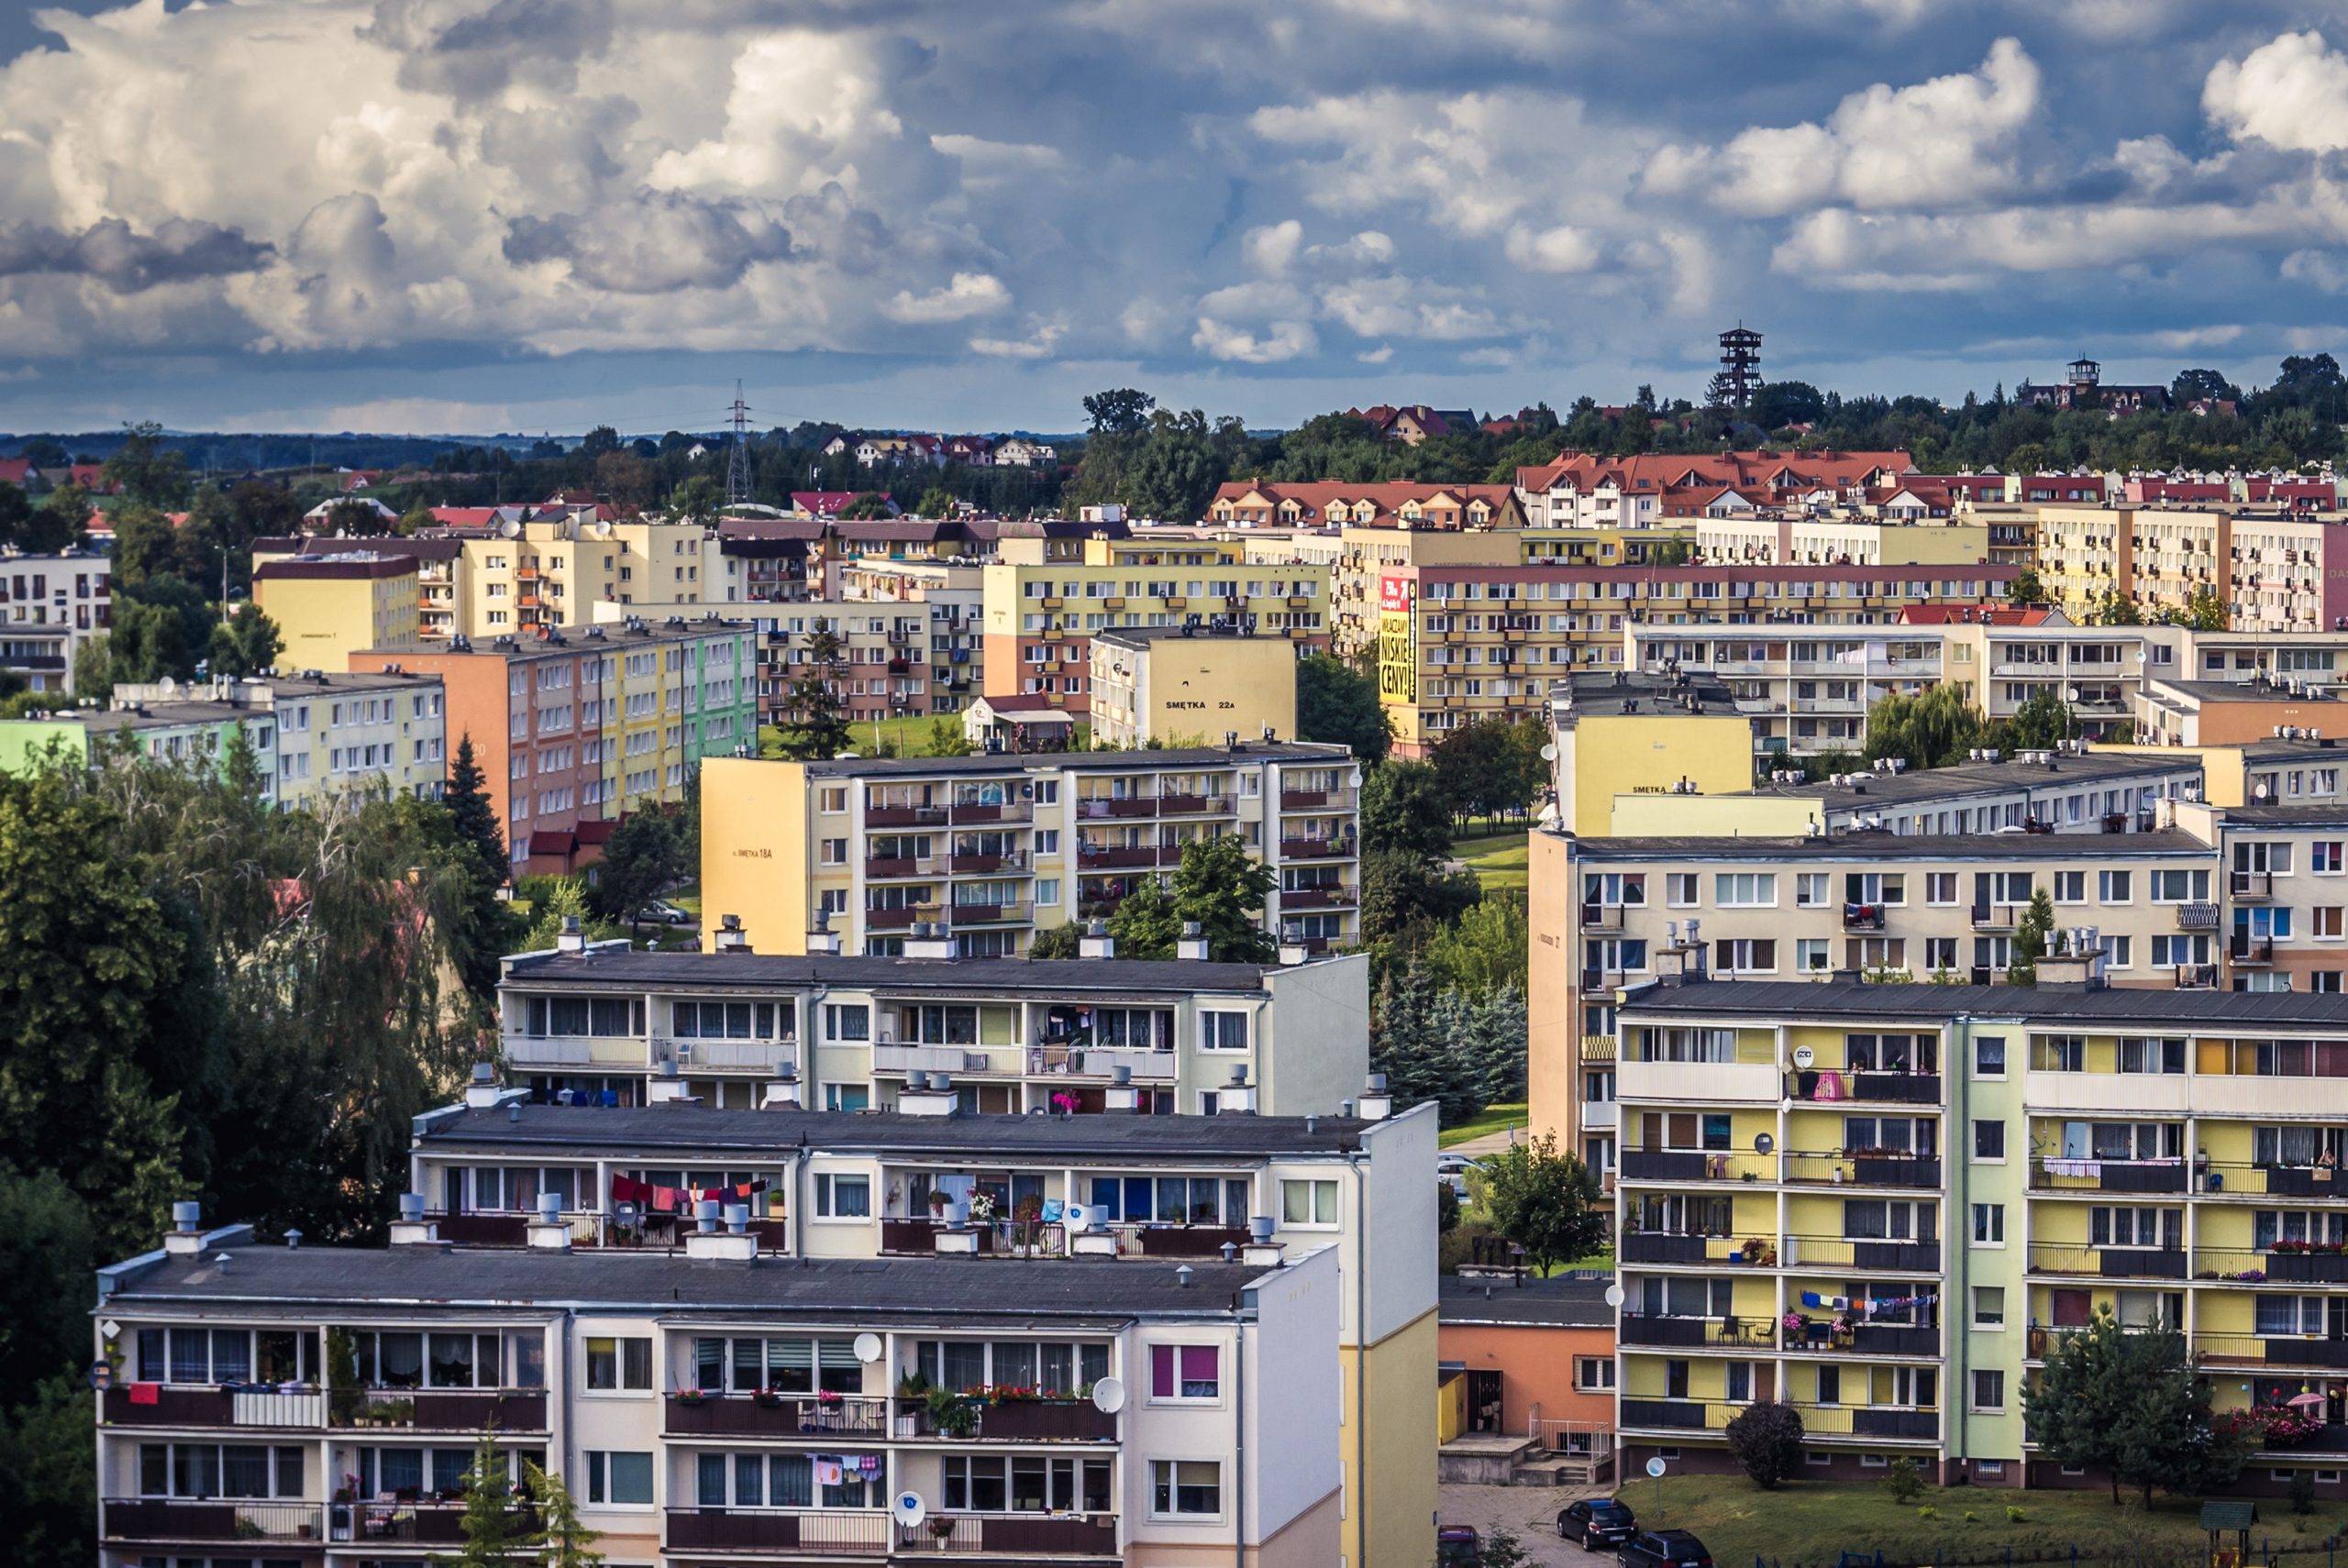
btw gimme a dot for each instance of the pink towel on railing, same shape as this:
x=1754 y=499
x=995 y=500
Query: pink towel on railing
x=1829 y=1085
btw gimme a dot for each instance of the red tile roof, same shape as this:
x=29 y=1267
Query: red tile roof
x=1651 y=472
x=1446 y=505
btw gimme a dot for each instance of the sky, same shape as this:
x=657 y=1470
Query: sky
x=445 y=215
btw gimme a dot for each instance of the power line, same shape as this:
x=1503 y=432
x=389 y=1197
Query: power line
x=737 y=456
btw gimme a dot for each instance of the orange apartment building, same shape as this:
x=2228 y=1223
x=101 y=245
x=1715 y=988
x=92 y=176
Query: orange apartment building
x=1522 y=1358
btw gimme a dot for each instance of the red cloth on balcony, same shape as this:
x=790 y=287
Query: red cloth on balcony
x=145 y=1393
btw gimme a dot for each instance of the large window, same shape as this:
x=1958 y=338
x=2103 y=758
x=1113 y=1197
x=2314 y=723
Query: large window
x=228 y=1355
x=726 y=1020
x=613 y=1365
x=1185 y=1372
x=601 y=1016
x=1056 y=1366
x=218 y=1470
x=1222 y=1031
x=1308 y=1203
x=619 y=1478
x=1180 y=1487
x=745 y=1365
x=840 y=1196
x=990 y=1484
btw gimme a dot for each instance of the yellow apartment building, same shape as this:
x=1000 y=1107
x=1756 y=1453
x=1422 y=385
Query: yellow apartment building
x=529 y=576
x=328 y=607
x=1883 y=1204
x=1043 y=598
x=1177 y=685
x=2272 y=570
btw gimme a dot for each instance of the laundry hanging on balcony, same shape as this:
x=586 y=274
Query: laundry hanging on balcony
x=1869 y=1305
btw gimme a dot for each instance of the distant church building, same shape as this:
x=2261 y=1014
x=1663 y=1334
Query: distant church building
x=2084 y=388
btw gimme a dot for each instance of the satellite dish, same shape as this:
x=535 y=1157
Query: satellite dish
x=908 y=1510
x=1108 y=1395
x=1613 y=1295
x=1550 y=753
x=1079 y=1219
x=867 y=1348
x=1763 y=1143
x=1654 y=1468
x=1804 y=1057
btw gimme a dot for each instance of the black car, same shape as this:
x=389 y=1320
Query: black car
x=1597 y=1522
x=1662 y=1549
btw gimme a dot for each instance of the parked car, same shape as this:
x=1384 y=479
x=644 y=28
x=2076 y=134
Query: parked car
x=661 y=913
x=1662 y=1549
x=1458 y=1546
x=1600 y=1521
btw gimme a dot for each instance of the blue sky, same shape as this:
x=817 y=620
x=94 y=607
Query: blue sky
x=474 y=214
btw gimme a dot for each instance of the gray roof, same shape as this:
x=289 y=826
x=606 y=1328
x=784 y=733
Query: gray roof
x=2327 y=814
x=840 y=1289
x=592 y=1131
x=2242 y=692
x=1249 y=751
x=1915 y=847
x=738 y=971
x=1608 y=693
x=1561 y=1301
x=2151 y=1007
x=1917 y=785
x=1142 y=636
x=2274 y=750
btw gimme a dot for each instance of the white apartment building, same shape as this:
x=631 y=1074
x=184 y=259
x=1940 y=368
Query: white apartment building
x=51 y=605
x=322 y=1405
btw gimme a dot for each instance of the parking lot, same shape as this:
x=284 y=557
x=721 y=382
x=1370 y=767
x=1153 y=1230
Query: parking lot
x=1530 y=1511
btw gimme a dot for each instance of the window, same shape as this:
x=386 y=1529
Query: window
x=1185 y=1372
x=1223 y=1031
x=1989 y=1467
x=1940 y=887
x=831 y=800
x=1185 y=1487
x=1988 y=1305
x=1811 y=889
x=847 y=1020
x=1683 y=889
x=1594 y=1372
x=2070 y=887
x=1308 y=1203
x=1812 y=955
x=619 y=1478
x=2323 y=857
x=1989 y=1140
x=2115 y=886
x=840 y=1196
x=2324 y=921
x=1746 y=890
x=617 y=1363
x=1988 y=1389
x=1989 y=1224
x=1745 y=954
x=834 y=852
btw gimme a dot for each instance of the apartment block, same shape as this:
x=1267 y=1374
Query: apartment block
x=1614 y=734
x=1364 y=555
x=328 y=607
x=1785 y=539
x=2272 y=570
x=1338 y=503
x=1176 y=685
x=321 y=1405
x=1459 y=644
x=196 y=732
x=1119 y=1190
x=51 y=605
x=1885 y=1204
x=442 y=578
x=994 y=848
x=573 y=729
x=899 y=657
x=853 y=1033
x=1044 y=600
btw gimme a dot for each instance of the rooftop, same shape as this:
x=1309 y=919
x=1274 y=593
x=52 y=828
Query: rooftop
x=579 y=639
x=1142 y=636
x=1192 y=757
x=1835 y=999
x=1612 y=693
x=606 y=1129
x=1561 y=1301
x=2003 y=777
x=1110 y=1289
x=758 y=971
x=2242 y=691
x=1872 y=846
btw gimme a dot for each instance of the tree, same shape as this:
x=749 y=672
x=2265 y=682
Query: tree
x=1337 y=703
x=601 y=441
x=1405 y=810
x=1545 y=1200
x=1765 y=1439
x=145 y=547
x=815 y=723
x=1484 y=948
x=472 y=810
x=64 y=519
x=2030 y=935
x=149 y=475
x=1499 y=1032
x=1399 y=891
x=2205 y=611
x=2130 y=1402
x=2043 y=719
x=1175 y=473
x=2025 y=589
x=872 y=506
x=946 y=738
x=244 y=644
x=1120 y=411
x=414 y=521
x=494 y=1532
x=1927 y=731
x=2113 y=607
x=1218 y=885
x=1062 y=941
x=356 y=519
x=93 y=668
x=1491 y=767
x=701 y=500
x=562 y=1541
x=936 y=501
x=644 y=858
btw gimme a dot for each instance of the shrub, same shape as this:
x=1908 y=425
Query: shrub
x=1928 y=1512
x=2015 y=1516
x=1904 y=1482
x=1766 y=1441
x=2302 y=1491
x=1972 y=1518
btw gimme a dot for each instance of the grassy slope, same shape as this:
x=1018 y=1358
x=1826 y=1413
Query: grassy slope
x=1494 y=1119
x=1499 y=860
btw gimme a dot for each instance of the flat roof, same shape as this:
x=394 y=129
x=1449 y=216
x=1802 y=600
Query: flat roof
x=1111 y=1289
x=574 y=640
x=1142 y=636
x=353 y=564
x=2330 y=813
x=1875 y=846
x=752 y=971
x=603 y=1129
x=167 y=715
x=2150 y=1007
x=1089 y=761
x=1561 y=1301
x=2242 y=691
x=1609 y=693
x=2003 y=777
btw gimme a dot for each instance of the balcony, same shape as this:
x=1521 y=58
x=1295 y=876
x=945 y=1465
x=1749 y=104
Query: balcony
x=529 y=1051
x=2049 y=1174
x=2106 y=1261
x=1996 y=917
x=1696 y=1164
x=248 y=1523
x=894 y=1058
x=1097 y=806
x=2252 y=887
x=1892 y=1254
x=2244 y=1178
x=1126 y=857
x=414 y=1523
x=1328 y=895
x=2298 y=1265
x=1862 y=1168
x=979 y=864
x=1883 y=1089
x=211 y=1406
x=1678 y=1415
x=1675 y=1247
x=1862 y=917
x=1305 y=800
x=1099 y=1061
x=871 y=1533
x=1602 y=917
x=2315 y=1352
x=448 y=1410
x=2250 y=951
x=1895 y=1338
x=989 y=914
x=885 y=867
x=1195 y=805
x=768 y=1056
x=991 y=812
x=1017 y=1420
x=901 y=918
x=2196 y=978
x=776 y=1415
x=1317 y=849
x=904 y=816
x=2197 y=917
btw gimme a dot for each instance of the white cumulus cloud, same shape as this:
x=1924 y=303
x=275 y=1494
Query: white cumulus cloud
x=1281 y=340
x=970 y=294
x=2291 y=94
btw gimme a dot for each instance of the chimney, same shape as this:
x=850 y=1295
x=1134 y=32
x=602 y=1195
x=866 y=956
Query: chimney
x=1239 y=1096
x=822 y=939
x=732 y=1240
x=1097 y=943
x=481 y=1092
x=1292 y=954
x=933 y=1095
x=1376 y=1105
x=187 y=1234
x=1121 y=1097
x=782 y=1092
x=1261 y=1250
x=549 y=1230
x=1183 y=1277
x=1193 y=947
x=573 y=939
x=929 y=939
x=665 y=1087
x=412 y=1228
x=731 y=938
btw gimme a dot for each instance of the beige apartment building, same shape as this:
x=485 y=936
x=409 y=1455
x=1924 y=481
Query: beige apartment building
x=1179 y=685
x=529 y=576
x=2272 y=570
x=1804 y=538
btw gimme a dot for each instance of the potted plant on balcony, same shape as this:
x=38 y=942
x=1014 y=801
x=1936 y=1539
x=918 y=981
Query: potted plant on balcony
x=940 y=1527
x=767 y=1398
x=691 y=1399
x=940 y=1201
x=950 y=1415
x=1027 y=1225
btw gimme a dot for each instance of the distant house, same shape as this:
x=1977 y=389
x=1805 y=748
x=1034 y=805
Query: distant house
x=844 y=442
x=359 y=479
x=1413 y=423
x=975 y=450
x=16 y=471
x=1018 y=452
x=827 y=502
x=317 y=515
x=91 y=477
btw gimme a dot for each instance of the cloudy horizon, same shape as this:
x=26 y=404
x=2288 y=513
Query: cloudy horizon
x=520 y=214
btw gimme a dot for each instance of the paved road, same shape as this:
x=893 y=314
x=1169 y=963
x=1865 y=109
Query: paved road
x=1488 y=1143
x=1530 y=1511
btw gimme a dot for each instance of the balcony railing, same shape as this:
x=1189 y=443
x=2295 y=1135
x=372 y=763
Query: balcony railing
x=1892 y=1254
x=425 y=1524
x=147 y=1519
x=1316 y=848
x=2196 y=977
x=2056 y=1173
x=1681 y=1414
x=760 y=1055
x=1862 y=917
x=1328 y=895
x=2197 y=917
x=1729 y=1332
x=1020 y=1535
x=192 y=1406
x=777 y=1415
x=1861 y=1168
x=2315 y=1351
x=2107 y=1263
x=989 y=914
x=1696 y=1164
x=873 y=1534
x=1109 y=858
x=882 y=867
x=1195 y=805
x=1098 y=806
x=448 y=1410
x=2244 y=949
x=2253 y=1179
x=2252 y=887
x=1996 y=917
x=890 y=1058
x=1884 y=1089
x=904 y=816
x=1016 y=1420
x=1602 y=917
x=1100 y=1061
x=2296 y=1266
x=991 y=812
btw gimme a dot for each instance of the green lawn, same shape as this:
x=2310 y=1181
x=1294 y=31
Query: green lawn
x=1499 y=860
x=911 y=735
x=1494 y=1119
x=1807 y=1523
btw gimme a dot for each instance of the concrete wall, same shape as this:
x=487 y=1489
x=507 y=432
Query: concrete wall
x=1601 y=756
x=1536 y=1367
x=1292 y=1386
x=1553 y=1072
x=1318 y=1056
x=754 y=850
